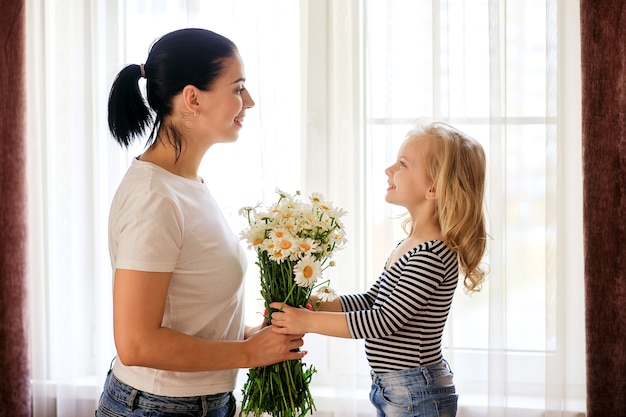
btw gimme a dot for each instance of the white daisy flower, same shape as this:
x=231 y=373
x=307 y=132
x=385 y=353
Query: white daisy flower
x=317 y=198
x=274 y=253
x=286 y=244
x=326 y=294
x=307 y=271
x=254 y=236
x=307 y=245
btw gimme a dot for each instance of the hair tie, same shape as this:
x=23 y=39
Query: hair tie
x=143 y=71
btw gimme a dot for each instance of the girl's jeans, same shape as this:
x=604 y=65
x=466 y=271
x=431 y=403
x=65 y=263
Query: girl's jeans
x=426 y=391
x=121 y=400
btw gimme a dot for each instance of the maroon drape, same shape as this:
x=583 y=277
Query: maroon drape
x=14 y=379
x=603 y=43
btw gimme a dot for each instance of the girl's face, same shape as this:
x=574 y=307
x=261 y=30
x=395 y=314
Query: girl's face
x=223 y=107
x=408 y=184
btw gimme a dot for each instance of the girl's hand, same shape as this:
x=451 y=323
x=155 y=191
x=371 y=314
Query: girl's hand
x=293 y=320
x=290 y=320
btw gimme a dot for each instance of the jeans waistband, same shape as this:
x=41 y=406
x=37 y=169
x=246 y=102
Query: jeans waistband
x=428 y=372
x=134 y=398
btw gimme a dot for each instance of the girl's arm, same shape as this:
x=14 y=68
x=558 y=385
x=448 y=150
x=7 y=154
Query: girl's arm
x=301 y=320
x=141 y=340
x=334 y=305
x=418 y=280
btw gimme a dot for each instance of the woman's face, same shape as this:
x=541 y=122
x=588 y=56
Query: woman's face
x=224 y=106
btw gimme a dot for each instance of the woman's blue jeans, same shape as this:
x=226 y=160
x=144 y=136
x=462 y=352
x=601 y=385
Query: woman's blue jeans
x=121 y=400
x=426 y=391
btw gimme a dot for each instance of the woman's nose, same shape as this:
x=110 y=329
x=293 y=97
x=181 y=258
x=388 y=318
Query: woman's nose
x=247 y=100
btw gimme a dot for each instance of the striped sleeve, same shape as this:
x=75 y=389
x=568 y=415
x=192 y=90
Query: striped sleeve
x=403 y=315
x=402 y=293
x=355 y=302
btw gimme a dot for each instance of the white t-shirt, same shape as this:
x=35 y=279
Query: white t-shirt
x=161 y=222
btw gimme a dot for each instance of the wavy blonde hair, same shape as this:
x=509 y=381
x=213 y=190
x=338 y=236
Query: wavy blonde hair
x=456 y=165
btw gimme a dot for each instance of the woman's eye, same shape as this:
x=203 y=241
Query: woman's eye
x=240 y=90
x=402 y=164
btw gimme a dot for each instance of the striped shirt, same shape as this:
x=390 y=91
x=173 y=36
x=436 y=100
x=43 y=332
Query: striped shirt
x=403 y=315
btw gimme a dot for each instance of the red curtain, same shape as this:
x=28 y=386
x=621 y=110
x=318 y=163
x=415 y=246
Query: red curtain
x=15 y=380
x=603 y=43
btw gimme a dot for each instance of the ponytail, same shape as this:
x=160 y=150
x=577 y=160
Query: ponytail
x=183 y=57
x=129 y=116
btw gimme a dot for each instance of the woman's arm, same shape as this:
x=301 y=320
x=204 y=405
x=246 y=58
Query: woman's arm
x=138 y=306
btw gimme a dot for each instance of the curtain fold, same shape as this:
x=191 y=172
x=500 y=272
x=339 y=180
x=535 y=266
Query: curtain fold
x=603 y=43
x=15 y=384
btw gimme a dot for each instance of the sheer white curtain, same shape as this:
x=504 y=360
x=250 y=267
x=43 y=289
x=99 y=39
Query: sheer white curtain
x=332 y=113
x=75 y=49
x=507 y=73
x=72 y=169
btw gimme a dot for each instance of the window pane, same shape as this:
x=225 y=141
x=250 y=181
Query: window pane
x=267 y=153
x=485 y=69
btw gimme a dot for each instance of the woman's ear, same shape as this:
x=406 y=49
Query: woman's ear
x=190 y=98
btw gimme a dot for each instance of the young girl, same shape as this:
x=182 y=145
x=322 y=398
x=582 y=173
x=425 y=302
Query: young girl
x=177 y=267
x=439 y=178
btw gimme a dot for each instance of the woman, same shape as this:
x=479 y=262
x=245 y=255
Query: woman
x=178 y=268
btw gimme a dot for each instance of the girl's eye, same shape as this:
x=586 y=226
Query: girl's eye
x=240 y=90
x=402 y=164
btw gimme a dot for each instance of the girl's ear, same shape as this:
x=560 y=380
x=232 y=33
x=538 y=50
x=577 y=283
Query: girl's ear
x=431 y=194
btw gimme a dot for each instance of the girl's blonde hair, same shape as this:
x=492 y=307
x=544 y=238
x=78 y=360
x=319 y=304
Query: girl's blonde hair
x=455 y=163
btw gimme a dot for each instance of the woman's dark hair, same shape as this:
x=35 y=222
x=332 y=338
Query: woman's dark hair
x=180 y=58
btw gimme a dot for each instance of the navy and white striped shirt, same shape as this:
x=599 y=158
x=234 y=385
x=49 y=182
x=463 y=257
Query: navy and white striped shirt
x=403 y=315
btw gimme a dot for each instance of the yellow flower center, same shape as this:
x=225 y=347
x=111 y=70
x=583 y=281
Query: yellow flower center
x=305 y=246
x=279 y=233
x=307 y=271
x=257 y=241
x=285 y=244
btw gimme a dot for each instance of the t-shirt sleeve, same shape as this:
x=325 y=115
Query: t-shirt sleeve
x=148 y=232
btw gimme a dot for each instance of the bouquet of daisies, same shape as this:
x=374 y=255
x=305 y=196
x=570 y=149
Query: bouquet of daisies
x=294 y=241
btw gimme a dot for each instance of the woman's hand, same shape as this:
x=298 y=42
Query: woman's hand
x=250 y=330
x=266 y=347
